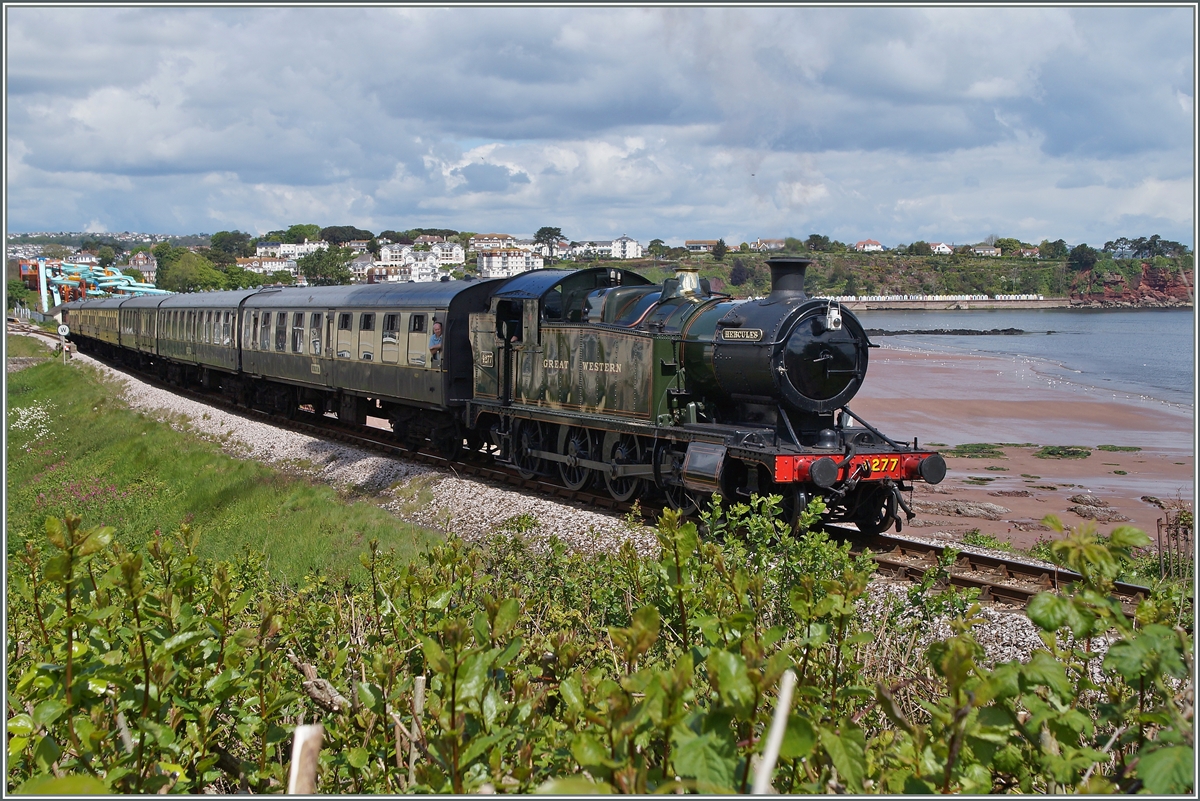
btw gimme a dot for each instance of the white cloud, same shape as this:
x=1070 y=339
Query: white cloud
x=944 y=123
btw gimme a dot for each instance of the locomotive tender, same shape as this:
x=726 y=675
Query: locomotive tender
x=595 y=375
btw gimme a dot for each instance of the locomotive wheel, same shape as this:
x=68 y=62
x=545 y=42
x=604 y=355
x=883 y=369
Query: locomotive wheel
x=528 y=437
x=449 y=443
x=622 y=449
x=581 y=443
x=876 y=510
x=667 y=470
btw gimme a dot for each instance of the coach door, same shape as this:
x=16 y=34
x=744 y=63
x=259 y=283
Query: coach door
x=321 y=343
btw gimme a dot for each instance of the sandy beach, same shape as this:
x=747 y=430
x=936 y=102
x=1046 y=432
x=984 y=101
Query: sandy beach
x=956 y=399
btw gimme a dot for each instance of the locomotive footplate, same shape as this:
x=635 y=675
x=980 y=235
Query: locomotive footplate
x=823 y=470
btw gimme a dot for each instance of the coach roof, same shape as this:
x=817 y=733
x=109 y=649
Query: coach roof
x=536 y=283
x=437 y=294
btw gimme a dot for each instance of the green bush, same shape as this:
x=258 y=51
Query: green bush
x=157 y=671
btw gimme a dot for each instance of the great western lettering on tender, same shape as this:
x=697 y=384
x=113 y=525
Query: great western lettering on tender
x=591 y=367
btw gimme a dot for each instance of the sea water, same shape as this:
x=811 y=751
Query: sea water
x=1142 y=352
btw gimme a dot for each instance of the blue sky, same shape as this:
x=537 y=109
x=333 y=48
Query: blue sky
x=896 y=124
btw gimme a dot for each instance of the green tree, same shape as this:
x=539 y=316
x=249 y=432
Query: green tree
x=549 y=237
x=738 y=274
x=657 y=248
x=134 y=273
x=56 y=251
x=792 y=244
x=191 y=272
x=327 y=267
x=341 y=234
x=920 y=248
x=817 y=242
x=373 y=247
x=719 y=250
x=17 y=291
x=296 y=234
x=234 y=243
x=1053 y=250
x=107 y=257
x=1008 y=246
x=237 y=277
x=282 y=277
x=1082 y=257
x=167 y=255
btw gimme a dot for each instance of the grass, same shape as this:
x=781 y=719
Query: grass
x=980 y=540
x=17 y=345
x=977 y=450
x=73 y=447
x=1118 y=448
x=1063 y=452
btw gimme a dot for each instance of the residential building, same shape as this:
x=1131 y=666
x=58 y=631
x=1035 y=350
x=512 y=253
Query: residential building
x=506 y=263
x=766 y=244
x=359 y=266
x=357 y=245
x=481 y=242
x=941 y=248
x=288 y=250
x=868 y=246
x=266 y=265
x=626 y=248
x=395 y=254
x=700 y=245
x=598 y=248
x=388 y=274
x=985 y=250
x=144 y=260
x=427 y=239
x=1028 y=253
x=425 y=266
x=268 y=249
x=448 y=253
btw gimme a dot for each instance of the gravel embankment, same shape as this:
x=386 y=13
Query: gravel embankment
x=472 y=509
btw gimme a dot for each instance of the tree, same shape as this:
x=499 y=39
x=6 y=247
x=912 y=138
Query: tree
x=1008 y=246
x=57 y=252
x=1082 y=257
x=738 y=275
x=550 y=237
x=218 y=257
x=817 y=242
x=744 y=247
x=191 y=272
x=396 y=237
x=341 y=234
x=327 y=267
x=134 y=273
x=233 y=243
x=17 y=291
x=792 y=244
x=920 y=248
x=283 y=277
x=657 y=248
x=237 y=277
x=296 y=234
x=1052 y=250
x=719 y=250
x=107 y=257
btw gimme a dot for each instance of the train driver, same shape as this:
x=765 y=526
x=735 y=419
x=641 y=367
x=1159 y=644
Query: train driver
x=435 y=341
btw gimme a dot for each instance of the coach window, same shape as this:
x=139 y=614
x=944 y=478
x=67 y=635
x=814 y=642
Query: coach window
x=281 y=331
x=252 y=341
x=390 y=352
x=298 y=332
x=314 y=333
x=345 y=321
x=418 y=341
x=226 y=325
x=366 y=336
x=264 y=336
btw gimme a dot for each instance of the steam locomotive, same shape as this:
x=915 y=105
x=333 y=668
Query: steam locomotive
x=595 y=376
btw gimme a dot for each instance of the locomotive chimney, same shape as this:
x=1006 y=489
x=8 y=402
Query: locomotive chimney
x=787 y=278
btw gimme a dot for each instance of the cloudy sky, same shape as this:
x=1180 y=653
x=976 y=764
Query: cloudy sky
x=889 y=123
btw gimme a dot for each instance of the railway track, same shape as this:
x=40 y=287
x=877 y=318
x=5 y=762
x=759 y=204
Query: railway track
x=1003 y=582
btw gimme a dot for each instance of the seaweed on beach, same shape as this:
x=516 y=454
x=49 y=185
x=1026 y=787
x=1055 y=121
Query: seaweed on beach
x=977 y=450
x=1118 y=448
x=1063 y=452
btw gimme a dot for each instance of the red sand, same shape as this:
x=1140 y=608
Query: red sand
x=955 y=399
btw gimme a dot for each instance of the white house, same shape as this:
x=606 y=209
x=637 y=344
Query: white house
x=267 y=264
x=506 y=263
x=360 y=265
x=868 y=246
x=448 y=253
x=481 y=242
x=766 y=244
x=940 y=248
x=287 y=250
x=626 y=248
x=425 y=266
x=593 y=247
x=700 y=245
x=985 y=250
x=268 y=249
x=395 y=254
